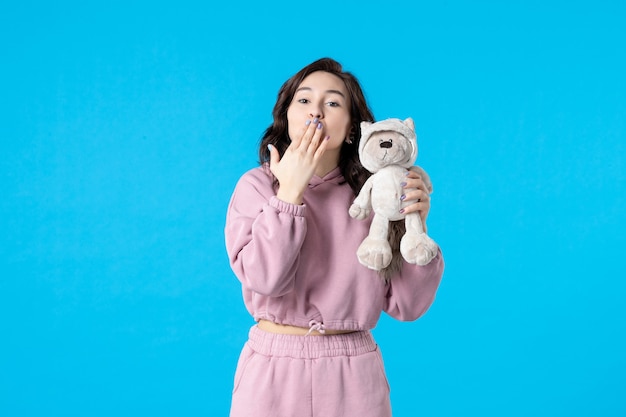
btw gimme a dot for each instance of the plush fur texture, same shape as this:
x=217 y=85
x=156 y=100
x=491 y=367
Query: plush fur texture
x=388 y=149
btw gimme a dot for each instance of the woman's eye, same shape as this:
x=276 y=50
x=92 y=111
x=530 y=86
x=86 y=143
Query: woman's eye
x=303 y=100
x=333 y=104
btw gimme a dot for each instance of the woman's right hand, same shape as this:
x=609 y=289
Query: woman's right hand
x=295 y=169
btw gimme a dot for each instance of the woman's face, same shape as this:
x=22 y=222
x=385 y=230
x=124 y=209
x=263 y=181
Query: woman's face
x=324 y=96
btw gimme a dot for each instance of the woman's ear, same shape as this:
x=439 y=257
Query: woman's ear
x=350 y=138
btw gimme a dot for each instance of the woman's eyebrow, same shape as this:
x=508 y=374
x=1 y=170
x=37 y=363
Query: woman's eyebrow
x=328 y=91
x=336 y=92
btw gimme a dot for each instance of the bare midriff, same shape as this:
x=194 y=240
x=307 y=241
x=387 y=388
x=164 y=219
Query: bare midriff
x=271 y=327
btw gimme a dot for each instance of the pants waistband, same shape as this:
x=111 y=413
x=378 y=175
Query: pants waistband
x=310 y=347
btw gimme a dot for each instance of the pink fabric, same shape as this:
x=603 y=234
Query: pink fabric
x=306 y=376
x=298 y=263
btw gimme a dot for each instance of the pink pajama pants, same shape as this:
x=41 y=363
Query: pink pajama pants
x=310 y=376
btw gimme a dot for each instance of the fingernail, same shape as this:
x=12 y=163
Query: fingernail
x=403 y=184
x=401 y=210
x=402 y=197
x=316 y=120
x=270 y=147
x=406 y=174
x=308 y=122
x=327 y=137
x=319 y=125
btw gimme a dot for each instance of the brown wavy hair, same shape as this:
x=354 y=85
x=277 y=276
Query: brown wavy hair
x=277 y=133
x=354 y=173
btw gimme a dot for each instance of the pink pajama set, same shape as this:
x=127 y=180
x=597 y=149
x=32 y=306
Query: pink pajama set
x=297 y=265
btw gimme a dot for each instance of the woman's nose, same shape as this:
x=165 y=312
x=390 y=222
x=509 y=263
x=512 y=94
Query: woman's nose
x=316 y=115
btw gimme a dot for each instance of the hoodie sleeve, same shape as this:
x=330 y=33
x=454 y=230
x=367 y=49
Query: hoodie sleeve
x=412 y=291
x=263 y=236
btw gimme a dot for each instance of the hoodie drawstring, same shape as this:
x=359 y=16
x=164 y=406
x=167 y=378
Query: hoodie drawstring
x=315 y=325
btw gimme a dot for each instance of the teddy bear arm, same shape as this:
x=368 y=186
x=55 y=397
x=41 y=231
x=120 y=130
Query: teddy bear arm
x=362 y=205
x=359 y=211
x=425 y=177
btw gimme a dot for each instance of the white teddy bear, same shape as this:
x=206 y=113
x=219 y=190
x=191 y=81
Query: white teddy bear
x=388 y=148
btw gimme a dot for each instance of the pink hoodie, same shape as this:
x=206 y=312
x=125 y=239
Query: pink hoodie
x=298 y=266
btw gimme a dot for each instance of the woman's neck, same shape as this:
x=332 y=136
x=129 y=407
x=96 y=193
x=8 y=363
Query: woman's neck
x=328 y=162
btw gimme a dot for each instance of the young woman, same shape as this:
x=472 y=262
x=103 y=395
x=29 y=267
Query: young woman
x=292 y=244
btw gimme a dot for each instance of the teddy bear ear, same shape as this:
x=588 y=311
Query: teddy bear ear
x=365 y=124
x=409 y=122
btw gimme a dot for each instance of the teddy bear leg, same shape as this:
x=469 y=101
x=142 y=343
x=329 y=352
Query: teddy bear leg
x=375 y=251
x=416 y=246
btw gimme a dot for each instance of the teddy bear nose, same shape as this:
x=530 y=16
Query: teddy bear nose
x=386 y=144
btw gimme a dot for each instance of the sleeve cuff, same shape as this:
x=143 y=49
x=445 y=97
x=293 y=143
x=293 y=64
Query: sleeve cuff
x=289 y=208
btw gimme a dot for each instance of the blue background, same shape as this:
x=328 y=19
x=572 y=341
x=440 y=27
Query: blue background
x=125 y=125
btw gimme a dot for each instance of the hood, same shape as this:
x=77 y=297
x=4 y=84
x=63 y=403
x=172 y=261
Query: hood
x=406 y=128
